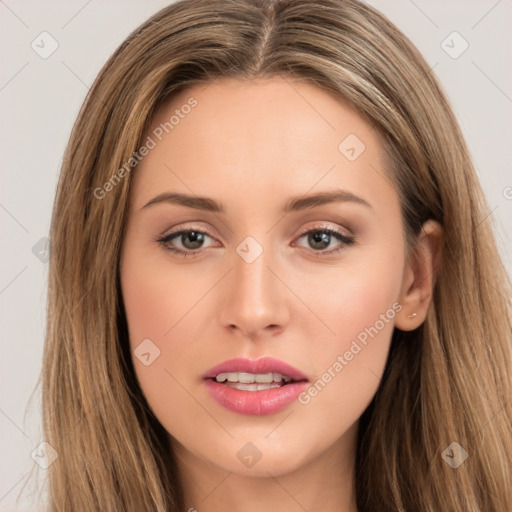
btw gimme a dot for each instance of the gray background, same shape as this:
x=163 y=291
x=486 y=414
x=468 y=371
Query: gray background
x=40 y=98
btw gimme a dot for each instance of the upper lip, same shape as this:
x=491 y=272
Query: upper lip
x=261 y=365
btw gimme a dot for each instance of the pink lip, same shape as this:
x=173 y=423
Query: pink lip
x=257 y=403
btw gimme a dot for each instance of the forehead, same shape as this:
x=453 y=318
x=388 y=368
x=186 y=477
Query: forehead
x=267 y=110
x=281 y=136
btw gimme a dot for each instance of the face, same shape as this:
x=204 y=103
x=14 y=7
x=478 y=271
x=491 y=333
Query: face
x=260 y=270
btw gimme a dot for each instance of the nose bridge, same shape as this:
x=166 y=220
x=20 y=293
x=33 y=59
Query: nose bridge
x=251 y=273
x=254 y=298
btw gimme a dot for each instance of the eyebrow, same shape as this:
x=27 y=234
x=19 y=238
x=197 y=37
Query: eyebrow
x=293 y=205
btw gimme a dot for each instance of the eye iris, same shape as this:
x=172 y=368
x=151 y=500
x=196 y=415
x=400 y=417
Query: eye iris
x=196 y=238
x=319 y=237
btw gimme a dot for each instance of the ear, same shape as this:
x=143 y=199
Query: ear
x=420 y=273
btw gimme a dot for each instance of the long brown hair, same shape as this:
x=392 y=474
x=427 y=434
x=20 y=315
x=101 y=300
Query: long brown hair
x=448 y=381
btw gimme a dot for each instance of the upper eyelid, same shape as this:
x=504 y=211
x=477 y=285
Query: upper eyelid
x=301 y=233
x=185 y=229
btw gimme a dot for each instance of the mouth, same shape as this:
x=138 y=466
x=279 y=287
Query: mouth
x=254 y=381
x=254 y=387
x=265 y=370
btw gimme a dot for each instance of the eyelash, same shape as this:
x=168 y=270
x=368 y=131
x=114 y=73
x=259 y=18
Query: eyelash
x=346 y=240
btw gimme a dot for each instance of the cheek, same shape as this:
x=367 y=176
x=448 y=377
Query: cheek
x=155 y=299
x=166 y=306
x=156 y=302
x=360 y=309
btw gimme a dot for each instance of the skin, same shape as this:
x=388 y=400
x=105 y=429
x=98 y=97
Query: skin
x=252 y=146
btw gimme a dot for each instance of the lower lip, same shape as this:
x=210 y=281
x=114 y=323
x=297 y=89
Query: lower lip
x=255 y=403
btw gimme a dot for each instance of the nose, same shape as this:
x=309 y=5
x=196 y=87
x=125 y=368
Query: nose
x=254 y=298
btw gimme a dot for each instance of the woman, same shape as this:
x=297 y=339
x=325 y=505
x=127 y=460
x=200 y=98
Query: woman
x=273 y=281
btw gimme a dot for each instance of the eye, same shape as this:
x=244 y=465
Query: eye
x=321 y=238
x=188 y=240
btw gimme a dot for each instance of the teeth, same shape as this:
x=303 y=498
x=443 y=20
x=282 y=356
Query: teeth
x=277 y=377
x=249 y=378
x=252 y=387
x=264 y=378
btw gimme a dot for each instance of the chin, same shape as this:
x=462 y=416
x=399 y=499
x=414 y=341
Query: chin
x=259 y=456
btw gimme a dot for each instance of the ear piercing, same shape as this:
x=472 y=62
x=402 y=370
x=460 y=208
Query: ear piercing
x=412 y=315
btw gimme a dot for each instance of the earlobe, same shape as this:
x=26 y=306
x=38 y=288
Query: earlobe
x=420 y=276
